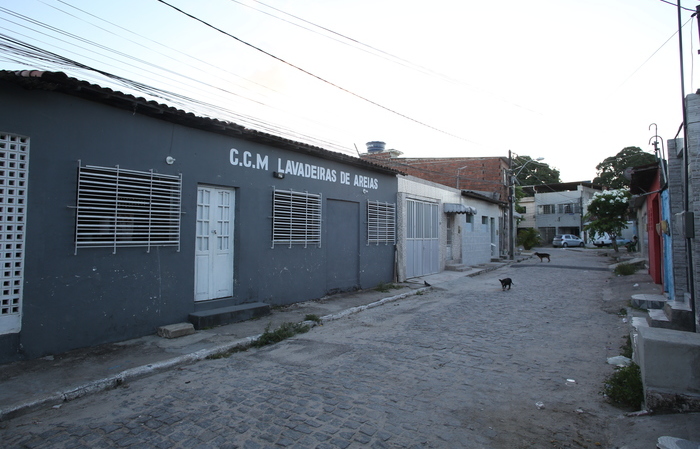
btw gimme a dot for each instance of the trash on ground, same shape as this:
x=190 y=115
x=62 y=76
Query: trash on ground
x=619 y=360
x=539 y=405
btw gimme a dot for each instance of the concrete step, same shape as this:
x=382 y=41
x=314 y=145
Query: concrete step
x=681 y=315
x=648 y=301
x=658 y=318
x=457 y=267
x=226 y=315
x=638 y=322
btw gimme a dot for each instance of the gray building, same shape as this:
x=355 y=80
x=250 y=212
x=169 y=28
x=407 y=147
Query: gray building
x=119 y=215
x=560 y=208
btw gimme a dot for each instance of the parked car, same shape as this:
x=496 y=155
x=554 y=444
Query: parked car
x=566 y=240
x=607 y=241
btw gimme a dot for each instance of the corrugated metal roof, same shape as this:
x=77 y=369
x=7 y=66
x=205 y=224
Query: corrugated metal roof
x=60 y=82
x=454 y=208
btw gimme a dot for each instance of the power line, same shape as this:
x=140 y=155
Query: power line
x=190 y=82
x=652 y=55
x=674 y=4
x=376 y=51
x=313 y=75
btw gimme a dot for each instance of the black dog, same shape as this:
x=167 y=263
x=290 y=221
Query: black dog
x=507 y=282
x=543 y=256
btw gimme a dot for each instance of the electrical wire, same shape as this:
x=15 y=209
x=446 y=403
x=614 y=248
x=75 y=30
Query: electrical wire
x=192 y=82
x=676 y=5
x=313 y=75
x=24 y=51
x=354 y=43
x=652 y=55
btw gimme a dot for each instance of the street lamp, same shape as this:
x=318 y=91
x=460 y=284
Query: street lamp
x=460 y=168
x=511 y=181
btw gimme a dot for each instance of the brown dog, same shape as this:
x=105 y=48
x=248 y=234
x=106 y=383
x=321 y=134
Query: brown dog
x=543 y=256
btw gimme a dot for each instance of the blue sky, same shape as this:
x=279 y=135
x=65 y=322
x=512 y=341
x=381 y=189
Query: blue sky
x=571 y=81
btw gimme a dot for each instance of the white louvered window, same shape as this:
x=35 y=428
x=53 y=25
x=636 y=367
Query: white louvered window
x=127 y=208
x=296 y=218
x=14 y=169
x=381 y=223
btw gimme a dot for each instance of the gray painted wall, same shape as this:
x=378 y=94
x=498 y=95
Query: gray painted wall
x=73 y=301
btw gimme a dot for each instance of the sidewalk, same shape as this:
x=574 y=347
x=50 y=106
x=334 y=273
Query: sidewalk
x=47 y=382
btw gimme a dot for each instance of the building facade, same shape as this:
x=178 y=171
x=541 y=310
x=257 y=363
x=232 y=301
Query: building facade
x=483 y=176
x=561 y=208
x=441 y=227
x=122 y=215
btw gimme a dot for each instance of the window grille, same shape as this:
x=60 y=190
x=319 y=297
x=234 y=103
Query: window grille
x=381 y=222
x=14 y=168
x=126 y=208
x=548 y=208
x=296 y=218
x=569 y=208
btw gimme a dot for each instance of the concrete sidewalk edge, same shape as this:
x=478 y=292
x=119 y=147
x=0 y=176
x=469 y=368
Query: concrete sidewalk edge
x=58 y=398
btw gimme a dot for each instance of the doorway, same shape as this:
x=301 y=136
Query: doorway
x=213 y=268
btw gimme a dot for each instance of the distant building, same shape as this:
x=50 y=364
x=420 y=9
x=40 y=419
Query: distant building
x=483 y=176
x=560 y=208
x=441 y=227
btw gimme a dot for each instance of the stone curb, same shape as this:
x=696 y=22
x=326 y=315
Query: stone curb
x=58 y=398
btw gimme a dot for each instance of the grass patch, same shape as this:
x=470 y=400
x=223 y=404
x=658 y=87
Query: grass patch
x=625 y=269
x=384 y=288
x=627 y=350
x=312 y=317
x=624 y=387
x=225 y=354
x=285 y=331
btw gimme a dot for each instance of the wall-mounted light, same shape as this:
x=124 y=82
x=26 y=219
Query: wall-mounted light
x=170 y=160
x=278 y=175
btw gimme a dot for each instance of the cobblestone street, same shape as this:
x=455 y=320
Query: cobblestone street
x=464 y=365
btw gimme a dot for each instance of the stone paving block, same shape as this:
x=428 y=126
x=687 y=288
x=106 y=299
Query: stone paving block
x=176 y=330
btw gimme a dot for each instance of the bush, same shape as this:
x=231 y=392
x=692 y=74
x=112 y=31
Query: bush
x=624 y=386
x=529 y=238
x=625 y=269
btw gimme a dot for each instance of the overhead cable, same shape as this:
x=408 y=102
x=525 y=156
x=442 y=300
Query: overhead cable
x=311 y=74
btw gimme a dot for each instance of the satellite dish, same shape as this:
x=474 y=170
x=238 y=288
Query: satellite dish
x=628 y=173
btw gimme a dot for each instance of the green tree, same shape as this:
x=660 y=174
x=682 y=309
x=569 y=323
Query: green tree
x=529 y=238
x=607 y=213
x=531 y=172
x=611 y=172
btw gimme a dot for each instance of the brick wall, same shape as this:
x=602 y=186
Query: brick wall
x=483 y=174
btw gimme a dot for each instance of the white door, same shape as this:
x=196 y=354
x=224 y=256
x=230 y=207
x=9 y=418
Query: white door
x=213 y=268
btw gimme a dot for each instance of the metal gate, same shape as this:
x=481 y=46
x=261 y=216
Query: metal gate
x=422 y=241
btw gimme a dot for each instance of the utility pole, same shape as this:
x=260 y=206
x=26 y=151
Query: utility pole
x=511 y=208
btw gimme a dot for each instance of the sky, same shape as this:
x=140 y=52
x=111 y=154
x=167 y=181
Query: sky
x=571 y=81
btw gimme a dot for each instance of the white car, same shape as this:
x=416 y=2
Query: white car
x=566 y=240
x=607 y=241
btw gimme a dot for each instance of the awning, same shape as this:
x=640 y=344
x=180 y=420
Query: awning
x=455 y=208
